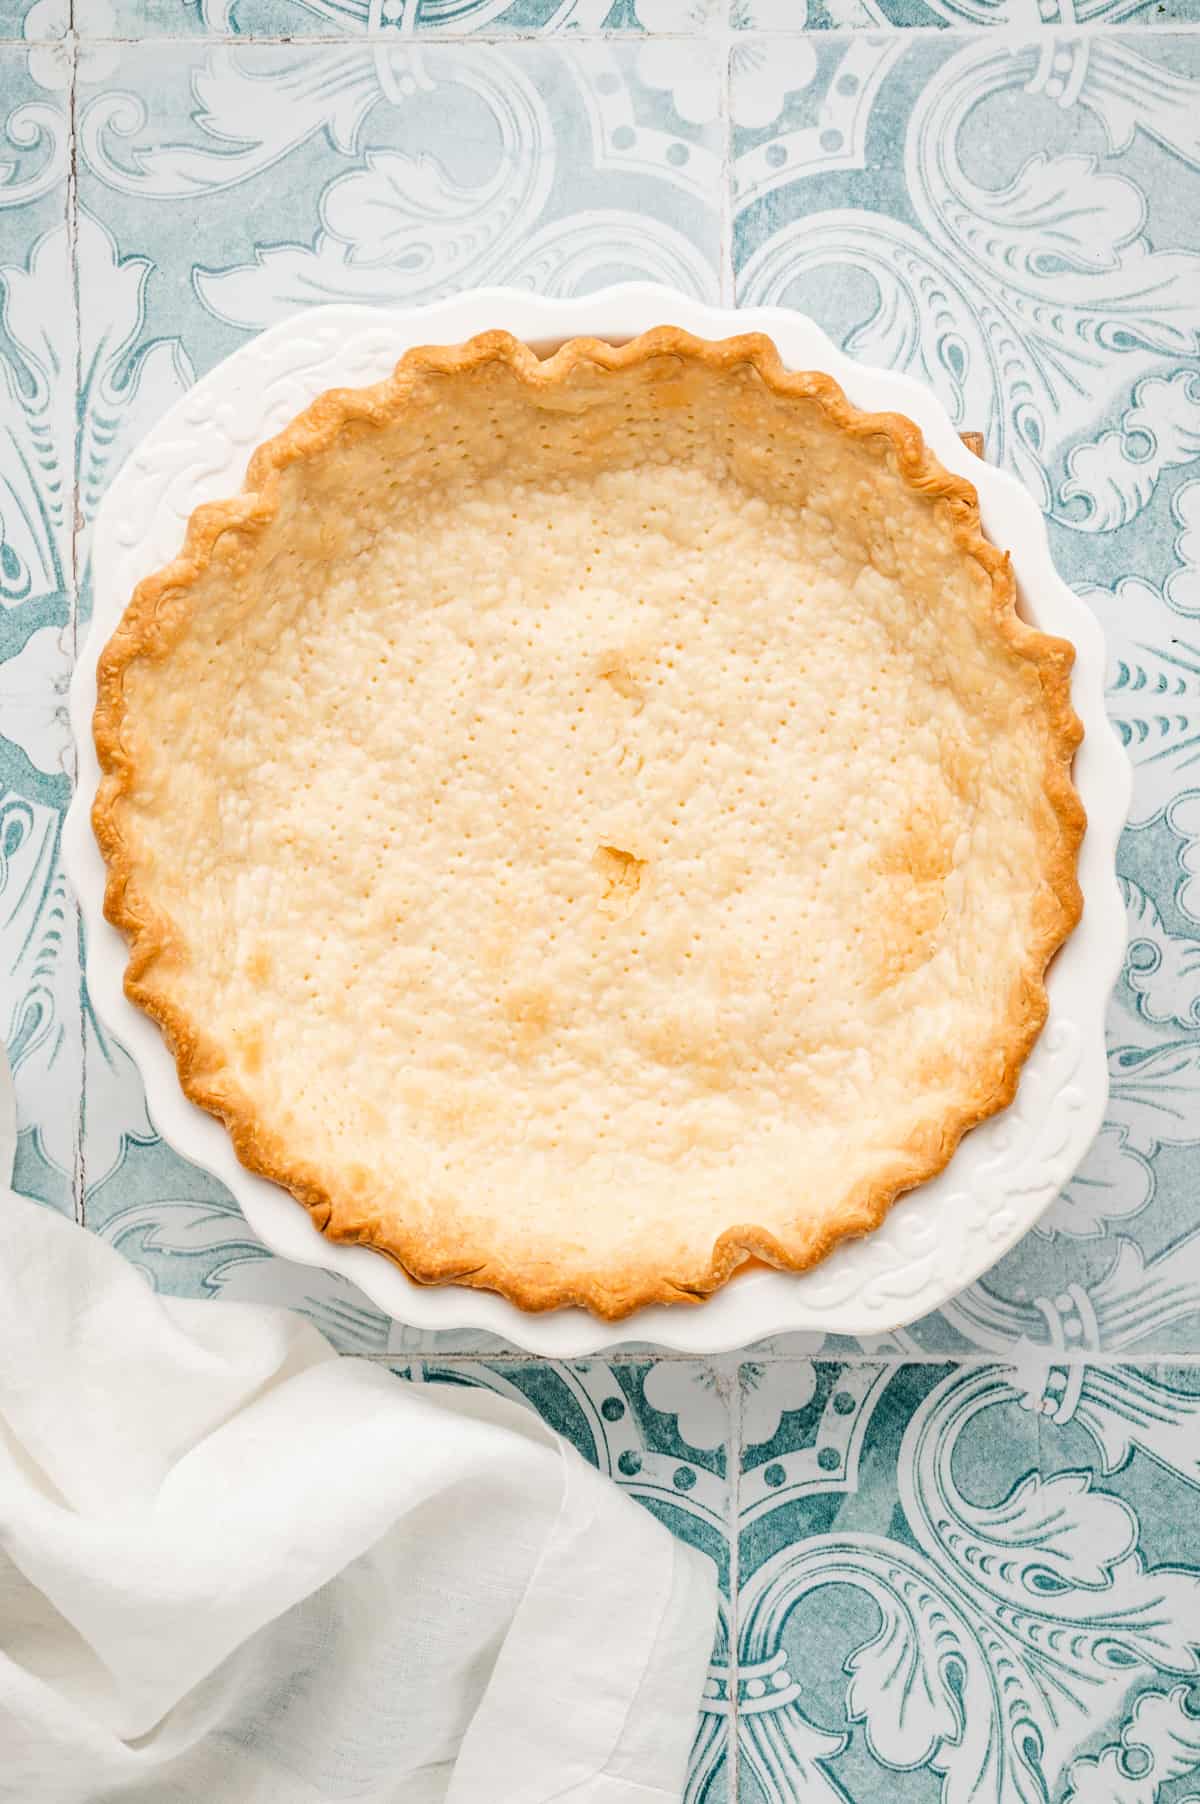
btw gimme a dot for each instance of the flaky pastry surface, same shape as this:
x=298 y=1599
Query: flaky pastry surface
x=583 y=823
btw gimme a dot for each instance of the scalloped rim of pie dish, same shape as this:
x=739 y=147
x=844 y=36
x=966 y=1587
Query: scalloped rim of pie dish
x=157 y=616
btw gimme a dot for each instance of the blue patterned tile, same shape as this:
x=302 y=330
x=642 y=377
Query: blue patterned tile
x=658 y=1429
x=35 y=21
x=390 y=18
x=185 y=1233
x=1020 y=226
x=38 y=930
x=223 y=188
x=1015 y=15
x=971 y=1581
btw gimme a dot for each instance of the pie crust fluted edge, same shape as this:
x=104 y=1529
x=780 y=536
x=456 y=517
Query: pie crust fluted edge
x=153 y=619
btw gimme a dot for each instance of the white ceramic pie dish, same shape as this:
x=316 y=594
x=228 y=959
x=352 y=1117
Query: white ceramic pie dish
x=1004 y=1174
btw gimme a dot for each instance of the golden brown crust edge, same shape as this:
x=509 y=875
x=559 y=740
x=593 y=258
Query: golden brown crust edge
x=159 y=609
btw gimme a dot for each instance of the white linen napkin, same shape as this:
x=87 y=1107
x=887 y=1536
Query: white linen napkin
x=235 y=1568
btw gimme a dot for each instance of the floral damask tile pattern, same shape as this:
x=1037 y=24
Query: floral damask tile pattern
x=236 y=184
x=972 y=1579
x=391 y=18
x=523 y=18
x=34 y=20
x=38 y=926
x=660 y=1430
x=1019 y=225
x=1013 y=15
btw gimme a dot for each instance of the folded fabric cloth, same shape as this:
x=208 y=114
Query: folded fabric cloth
x=235 y=1567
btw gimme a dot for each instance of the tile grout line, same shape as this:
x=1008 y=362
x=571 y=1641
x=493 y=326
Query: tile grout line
x=733 y=1687
x=71 y=41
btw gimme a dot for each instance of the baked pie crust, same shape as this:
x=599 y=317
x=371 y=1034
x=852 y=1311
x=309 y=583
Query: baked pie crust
x=586 y=823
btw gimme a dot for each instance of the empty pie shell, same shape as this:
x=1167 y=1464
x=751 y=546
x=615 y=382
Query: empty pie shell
x=584 y=823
